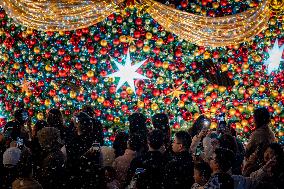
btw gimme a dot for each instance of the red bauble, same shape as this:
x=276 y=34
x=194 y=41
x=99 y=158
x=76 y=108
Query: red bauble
x=123 y=94
x=93 y=60
x=156 y=92
x=80 y=97
x=112 y=89
x=110 y=117
x=124 y=107
x=52 y=92
x=26 y=100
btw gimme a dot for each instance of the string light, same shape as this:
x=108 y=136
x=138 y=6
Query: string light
x=63 y=15
x=203 y=31
x=209 y=31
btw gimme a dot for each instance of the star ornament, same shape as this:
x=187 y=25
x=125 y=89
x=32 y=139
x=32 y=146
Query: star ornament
x=127 y=73
x=176 y=92
x=275 y=57
x=25 y=85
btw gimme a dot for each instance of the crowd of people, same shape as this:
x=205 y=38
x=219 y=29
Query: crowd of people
x=50 y=155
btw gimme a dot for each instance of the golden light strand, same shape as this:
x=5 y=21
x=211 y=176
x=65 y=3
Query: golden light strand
x=209 y=31
x=54 y=15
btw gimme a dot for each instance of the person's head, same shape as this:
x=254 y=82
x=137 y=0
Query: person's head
x=274 y=150
x=137 y=123
x=21 y=115
x=88 y=110
x=120 y=143
x=155 y=139
x=84 y=124
x=229 y=142
x=12 y=130
x=161 y=122
x=221 y=160
x=39 y=125
x=202 y=172
x=54 y=118
x=11 y=157
x=49 y=138
x=134 y=143
x=200 y=123
x=182 y=141
x=261 y=117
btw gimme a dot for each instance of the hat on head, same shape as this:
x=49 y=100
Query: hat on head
x=11 y=156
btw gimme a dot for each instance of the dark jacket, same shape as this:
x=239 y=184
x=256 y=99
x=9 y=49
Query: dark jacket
x=83 y=168
x=152 y=163
x=8 y=175
x=179 y=171
x=52 y=170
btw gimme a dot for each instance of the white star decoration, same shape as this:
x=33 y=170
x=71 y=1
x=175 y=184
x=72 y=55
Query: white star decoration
x=127 y=73
x=275 y=57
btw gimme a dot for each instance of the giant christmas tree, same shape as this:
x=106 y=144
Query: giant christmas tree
x=129 y=63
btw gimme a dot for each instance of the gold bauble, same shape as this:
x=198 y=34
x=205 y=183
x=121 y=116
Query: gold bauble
x=274 y=93
x=206 y=55
x=5 y=57
x=40 y=116
x=116 y=102
x=48 y=67
x=154 y=106
x=250 y=107
x=56 y=98
x=90 y=73
x=250 y=91
x=132 y=48
x=29 y=31
x=160 y=80
x=47 y=102
x=149 y=35
x=73 y=94
x=10 y=87
x=101 y=99
x=181 y=104
x=222 y=89
x=103 y=43
x=116 y=120
x=261 y=102
x=146 y=48
x=29 y=93
x=238 y=125
x=232 y=111
x=245 y=66
x=36 y=50
x=244 y=122
x=261 y=88
x=129 y=90
x=210 y=88
x=16 y=66
x=241 y=108
x=140 y=104
x=111 y=79
x=1 y=31
x=208 y=99
x=213 y=110
x=242 y=90
x=61 y=32
x=257 y=58
x=165 y=65
x=122 y=38
x=224 y=67
x=213 y=125
x=277 y=5
x=159 y=41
